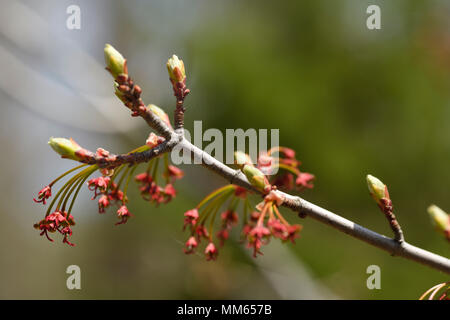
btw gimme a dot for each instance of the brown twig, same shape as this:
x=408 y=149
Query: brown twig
x=180 y=91
x=112 y=161
x=387 y=208
x=130 y=94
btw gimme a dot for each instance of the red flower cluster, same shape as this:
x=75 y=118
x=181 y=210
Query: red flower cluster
x=262 y=224
x=110 y=194
x=287 y=162
x=150 y=191
x=210 y=250
x=56 y=221
x=199 y=232
x=267 y=222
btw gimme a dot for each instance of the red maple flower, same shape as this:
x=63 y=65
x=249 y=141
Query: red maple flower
x=67 y=232
x=278 y=229
x=256 y=239
x=190 y=245
x=103 y=203
x=288 y=152
x=190 y=217
x=43 y=195
x=229 y=218
x=223 y=235
x=201 y=232
x=143 y=177
x=45 y=227
x=70 y=219
x=211 y=252
x=56 y=217
x=123 y=214
x=169 y=192
x=293 y=231
x=150 y=191
x=254 y=216
x=304 y=180
x=240 y=192
x=98 y=185
x=115 y=193
x=174 y=172
x=56 y=221
x=246 y=230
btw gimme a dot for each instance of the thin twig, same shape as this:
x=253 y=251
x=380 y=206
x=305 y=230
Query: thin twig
x=387 y=208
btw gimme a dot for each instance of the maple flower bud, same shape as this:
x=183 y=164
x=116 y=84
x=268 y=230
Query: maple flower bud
x=115 y=62
x=175 y=67
x=152 y=140
x=65 y=147
x=377 y=189
x=160 y=113
x=439 y=218
x=256 y=177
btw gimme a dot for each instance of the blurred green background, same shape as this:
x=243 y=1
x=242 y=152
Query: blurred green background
x=350 y=100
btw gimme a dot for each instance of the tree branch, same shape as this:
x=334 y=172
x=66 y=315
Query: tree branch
x=297 y=204
x=130 y=94
x=113 y=161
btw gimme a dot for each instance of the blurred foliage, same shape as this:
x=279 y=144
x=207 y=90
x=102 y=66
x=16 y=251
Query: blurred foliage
x=351 y=101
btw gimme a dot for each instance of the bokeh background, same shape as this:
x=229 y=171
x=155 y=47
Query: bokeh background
x=351 y=101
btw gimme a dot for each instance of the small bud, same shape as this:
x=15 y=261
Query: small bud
x=377 y=189
x=118 y=93
x=440 y=219
x=175 y=67
x=115 y=62
x=241 y=159
x=152 y=140
x=102 y=153
x=160 y=113
x=65 y=147
x=256 y=177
